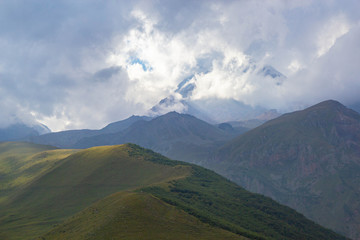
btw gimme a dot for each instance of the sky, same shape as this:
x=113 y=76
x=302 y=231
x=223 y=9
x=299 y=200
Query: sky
x=83 y=64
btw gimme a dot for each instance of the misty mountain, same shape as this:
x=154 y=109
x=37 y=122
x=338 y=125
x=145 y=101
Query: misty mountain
x=179 y=136
x=18 y=131
x=270 y=71
x=67 y=139
x=215 y=110
x=239 y=127
x=308 y=160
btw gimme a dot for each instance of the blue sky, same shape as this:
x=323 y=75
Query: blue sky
x=83 y=64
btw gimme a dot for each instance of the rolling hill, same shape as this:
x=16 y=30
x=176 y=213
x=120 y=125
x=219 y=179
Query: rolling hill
x=129 y=192
x=308 y=160
x=20 y=163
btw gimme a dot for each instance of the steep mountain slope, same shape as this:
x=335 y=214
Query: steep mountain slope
x=309 y=160
x=67 y=139
x=20 y=131
x=178 y=136
x=150 y=195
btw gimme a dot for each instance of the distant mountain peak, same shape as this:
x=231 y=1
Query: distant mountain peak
x=168 y=104
x=172 y=113
x=186 y=87
x=329 y=110
x=268 y=70
x=329 y=104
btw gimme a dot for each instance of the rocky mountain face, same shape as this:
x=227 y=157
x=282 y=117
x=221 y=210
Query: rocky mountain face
x=308 y=160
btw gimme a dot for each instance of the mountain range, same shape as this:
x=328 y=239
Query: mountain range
x=68 y=139
x=178 y=136
x=308 y=160
x=128 y=192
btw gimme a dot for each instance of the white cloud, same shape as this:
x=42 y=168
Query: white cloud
x=330 y=31
x=294 y=66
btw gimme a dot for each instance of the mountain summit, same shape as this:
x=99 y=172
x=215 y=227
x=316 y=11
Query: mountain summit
x=309 y=160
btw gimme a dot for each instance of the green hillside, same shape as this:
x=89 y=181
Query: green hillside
x=21 y=163
x=131 y=215
x=219 y=202
x=129 y=192
x=76 y=182
x=308 y=160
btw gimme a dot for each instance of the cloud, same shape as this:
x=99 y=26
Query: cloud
x=335 y=74
x=332 y=30
x=106 y=73
x=84 y=64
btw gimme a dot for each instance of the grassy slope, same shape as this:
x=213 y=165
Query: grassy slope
x=130 y=215
x=21 y=163
x=215 y=201
x=76 y=182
